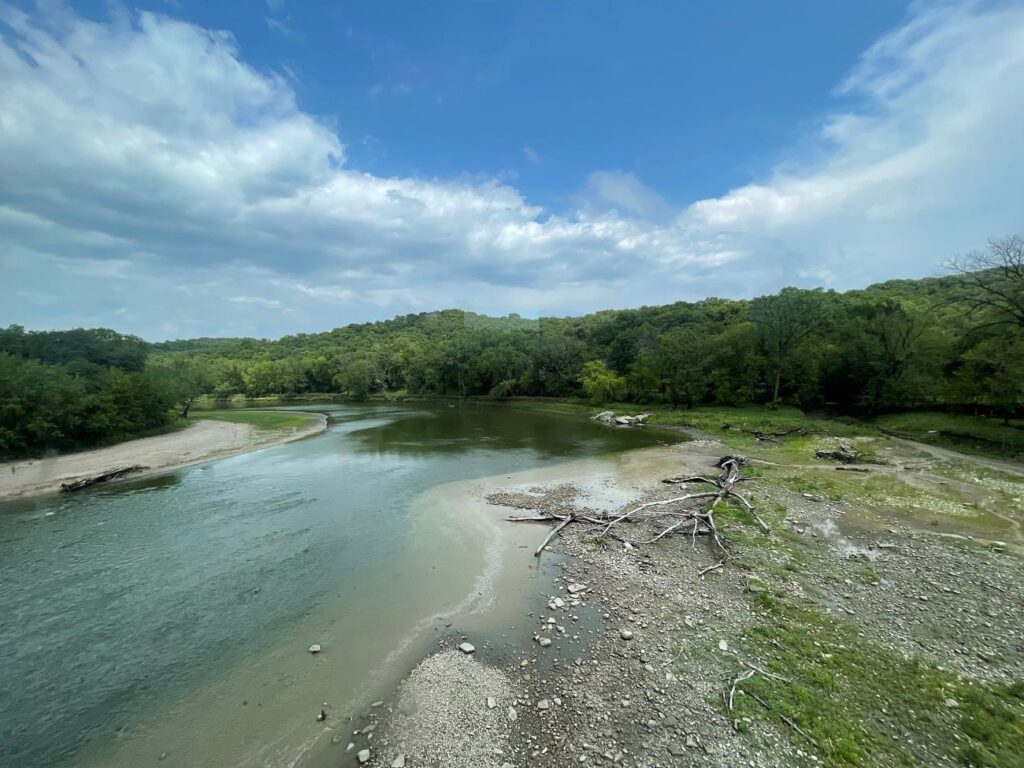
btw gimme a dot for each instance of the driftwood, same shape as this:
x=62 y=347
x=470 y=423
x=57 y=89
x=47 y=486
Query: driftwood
x=767 y=437
x=699 y=521
x=114 y=474
x=748 y=673
x=844 y=453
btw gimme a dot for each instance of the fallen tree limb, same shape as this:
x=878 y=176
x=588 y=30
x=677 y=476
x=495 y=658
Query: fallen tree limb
x=697 y=521
x=113 y=474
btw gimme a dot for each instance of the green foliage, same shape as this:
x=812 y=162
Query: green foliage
x=894 y=346
x=906 y=344
x=994 y=436
x=601 y=384
x=46 y=407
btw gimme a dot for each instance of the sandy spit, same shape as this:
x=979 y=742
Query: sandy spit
x=199 y=442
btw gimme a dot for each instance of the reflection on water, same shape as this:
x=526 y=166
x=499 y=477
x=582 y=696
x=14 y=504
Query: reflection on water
x=142 y=611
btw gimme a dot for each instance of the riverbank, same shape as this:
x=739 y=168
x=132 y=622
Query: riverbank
x=882 y=639
x=203 y=440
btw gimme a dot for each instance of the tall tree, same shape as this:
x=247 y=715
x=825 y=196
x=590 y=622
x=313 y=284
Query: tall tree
x=783 y=322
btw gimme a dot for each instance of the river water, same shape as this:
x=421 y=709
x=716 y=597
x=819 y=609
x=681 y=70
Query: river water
x=165 y=622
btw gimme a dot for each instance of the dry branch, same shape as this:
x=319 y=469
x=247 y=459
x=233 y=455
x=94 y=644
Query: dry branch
x=702 y=518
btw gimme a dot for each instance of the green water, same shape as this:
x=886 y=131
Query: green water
x=166 y=621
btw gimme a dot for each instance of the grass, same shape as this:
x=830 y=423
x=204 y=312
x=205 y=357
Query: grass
x=974 y=434
x=867 y=706
x=265 y=420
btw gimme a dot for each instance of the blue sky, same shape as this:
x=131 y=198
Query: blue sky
x=195 y=168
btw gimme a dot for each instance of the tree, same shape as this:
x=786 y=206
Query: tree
x=992 y=284
x=783 y=322
x=602 y=384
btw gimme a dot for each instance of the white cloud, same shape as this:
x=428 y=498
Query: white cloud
x=928 y=164
x=144 y=154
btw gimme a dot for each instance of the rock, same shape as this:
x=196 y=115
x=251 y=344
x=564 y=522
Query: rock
x=676 y=751
x=723 y=645
x=398 y=762
x=605 y=417
x=544 y=642
x=314 y=648
x=467 y=647
x=491 y=702
x=886 y=545
x=512 y=714
x=363 y=755
x=576 y=588
x=377 y=704
x=691 y=742
x=543 y=704
x=952 y=703
x=625 y=634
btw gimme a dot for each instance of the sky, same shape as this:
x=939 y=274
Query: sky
x=190 y=168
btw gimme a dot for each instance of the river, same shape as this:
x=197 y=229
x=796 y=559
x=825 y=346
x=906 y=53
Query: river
x=166 y=621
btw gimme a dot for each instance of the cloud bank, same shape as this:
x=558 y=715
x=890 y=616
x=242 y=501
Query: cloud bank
x=153 y=181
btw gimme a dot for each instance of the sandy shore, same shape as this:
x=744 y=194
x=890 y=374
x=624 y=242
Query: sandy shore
x=197 y=443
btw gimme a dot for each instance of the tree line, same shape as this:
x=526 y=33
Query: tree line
x=954 y=342
x=950 y=341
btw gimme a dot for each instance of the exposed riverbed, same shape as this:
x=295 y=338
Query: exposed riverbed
x=166 y=621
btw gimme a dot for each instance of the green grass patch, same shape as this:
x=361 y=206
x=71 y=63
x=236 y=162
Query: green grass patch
x=266 y=420
x=863 y=705
x=973 y=434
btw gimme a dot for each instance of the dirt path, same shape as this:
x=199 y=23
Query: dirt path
x=202 y=441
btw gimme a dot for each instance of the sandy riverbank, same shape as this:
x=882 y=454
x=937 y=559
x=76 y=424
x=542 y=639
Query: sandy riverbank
x=199 y=442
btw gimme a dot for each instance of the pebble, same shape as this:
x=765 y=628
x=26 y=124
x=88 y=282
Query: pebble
x=625 y=634
x=512 y=714
x=544 y=642
x=398 y=762
x=543 y=704
x=314 y=648
x=491 y=702
x=467 y=647
x=363 y=755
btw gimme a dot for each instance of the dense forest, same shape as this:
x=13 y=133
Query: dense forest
x=954 y=342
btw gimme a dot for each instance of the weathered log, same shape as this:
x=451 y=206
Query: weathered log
x=114 y=474
x=847 y=457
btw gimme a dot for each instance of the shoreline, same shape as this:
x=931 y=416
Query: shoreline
x=160 y=454
x=643 y=685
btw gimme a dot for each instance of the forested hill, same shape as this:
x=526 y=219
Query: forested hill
x=954 y=342
x=894 y=345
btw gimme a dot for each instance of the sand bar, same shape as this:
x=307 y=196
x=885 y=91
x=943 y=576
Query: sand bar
x=202 y=441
